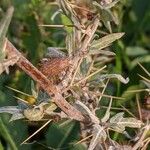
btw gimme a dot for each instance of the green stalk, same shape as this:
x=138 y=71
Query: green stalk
x=6 y=135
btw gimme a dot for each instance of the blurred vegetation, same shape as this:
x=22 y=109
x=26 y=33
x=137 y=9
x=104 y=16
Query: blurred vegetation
x=33 y=40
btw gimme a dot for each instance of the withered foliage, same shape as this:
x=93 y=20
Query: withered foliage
x=76 y=81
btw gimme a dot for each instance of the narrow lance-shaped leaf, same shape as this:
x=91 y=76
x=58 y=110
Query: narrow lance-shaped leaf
x=106 y=15
x=10 y=109
x=86 y=111
x=4 y=24
x=135 y=51
x=102 y=52
x=105 y=41
x=118 y=122
x=15 y=111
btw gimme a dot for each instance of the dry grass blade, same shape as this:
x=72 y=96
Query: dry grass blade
x=20 y=99
x=103 y=90
x=79 y=63
x=92 y=74
x=128 y=111
x=110 y=96
x=15 y=90
x=144 y=69
x=113 y=108
x=36 y=132
x=84 y=139
x=139 y=107
x=144 y=78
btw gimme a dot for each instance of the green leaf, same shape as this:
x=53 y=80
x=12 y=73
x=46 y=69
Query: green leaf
x=66 y=21
x=136 y=51
x=58 y=136
x=105 y=41
x=4 y=24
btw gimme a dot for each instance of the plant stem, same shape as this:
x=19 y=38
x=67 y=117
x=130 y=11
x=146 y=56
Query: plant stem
x=6 y=135
x=50 y=88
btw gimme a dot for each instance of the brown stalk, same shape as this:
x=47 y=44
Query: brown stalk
x=46 y=84
x=37 y=76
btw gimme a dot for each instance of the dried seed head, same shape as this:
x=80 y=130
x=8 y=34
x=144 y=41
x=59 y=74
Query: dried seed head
x=53 y=67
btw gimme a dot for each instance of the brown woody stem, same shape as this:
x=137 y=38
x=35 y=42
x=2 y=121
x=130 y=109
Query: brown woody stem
x=50 y=88
x=46 y=84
